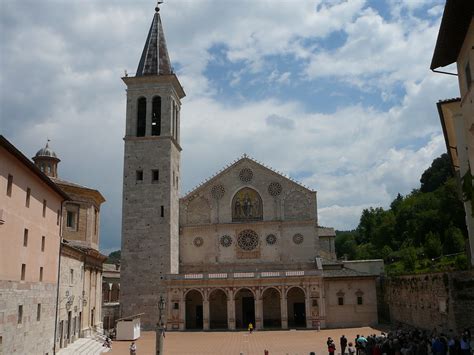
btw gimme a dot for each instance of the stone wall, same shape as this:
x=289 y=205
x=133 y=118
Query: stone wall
x=30 y=335
x=441 y=300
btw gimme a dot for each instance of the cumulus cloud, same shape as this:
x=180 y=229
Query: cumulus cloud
x=60 y=79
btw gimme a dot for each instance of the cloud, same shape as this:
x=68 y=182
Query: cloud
x=280 y=122
x=60 y=79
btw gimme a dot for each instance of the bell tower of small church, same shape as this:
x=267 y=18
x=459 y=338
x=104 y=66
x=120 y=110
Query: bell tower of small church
x=151 y=180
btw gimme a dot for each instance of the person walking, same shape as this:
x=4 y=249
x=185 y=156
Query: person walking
x=331 y=348
x=343 y=343
x=351 y=350
x=133 y=348
x=250 y=328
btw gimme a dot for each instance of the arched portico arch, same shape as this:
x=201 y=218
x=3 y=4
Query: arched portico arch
x=244 y=308
x=271 y=308
x=194 y=309
x=296 y=307
x=218 y=309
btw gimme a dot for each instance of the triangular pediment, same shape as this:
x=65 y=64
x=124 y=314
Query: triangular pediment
x=245 y=169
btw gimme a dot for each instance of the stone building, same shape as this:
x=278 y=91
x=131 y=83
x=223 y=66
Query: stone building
x=79 y=300
x=110 y=296
x=30 y=227
x=454 y=45
x=244 y=247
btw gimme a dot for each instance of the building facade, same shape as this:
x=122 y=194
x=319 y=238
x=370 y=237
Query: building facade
x=454 y=45
x=244 y=247
x=79 y=300
x=110 y=296
x=30 y=227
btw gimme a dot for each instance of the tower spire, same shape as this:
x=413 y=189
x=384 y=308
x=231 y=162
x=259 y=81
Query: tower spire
x=155 y=59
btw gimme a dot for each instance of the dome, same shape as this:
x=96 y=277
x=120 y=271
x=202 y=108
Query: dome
x=46 y=152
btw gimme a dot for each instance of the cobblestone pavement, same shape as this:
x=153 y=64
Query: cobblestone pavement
x=291 y=342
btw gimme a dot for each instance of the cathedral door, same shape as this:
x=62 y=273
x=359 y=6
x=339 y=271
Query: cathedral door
x=300 y=316
x=248 y=311
x=199 y=316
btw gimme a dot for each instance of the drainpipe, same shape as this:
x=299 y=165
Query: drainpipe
x=59 y=275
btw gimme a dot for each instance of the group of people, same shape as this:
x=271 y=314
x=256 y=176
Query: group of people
x=405 y=342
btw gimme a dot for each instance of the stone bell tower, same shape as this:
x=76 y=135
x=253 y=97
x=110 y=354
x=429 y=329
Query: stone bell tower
x=151 y=180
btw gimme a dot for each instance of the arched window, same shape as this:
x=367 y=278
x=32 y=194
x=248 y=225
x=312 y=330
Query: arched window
x=141 y=117
x=247 y=205
x=156 y=116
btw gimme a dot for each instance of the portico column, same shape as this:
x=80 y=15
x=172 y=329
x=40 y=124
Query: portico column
x=230 y=310
x=205 y=310
x=182 y=313
x=322 y=304
x=307 y=302
x=284 y=309
x=258 y=309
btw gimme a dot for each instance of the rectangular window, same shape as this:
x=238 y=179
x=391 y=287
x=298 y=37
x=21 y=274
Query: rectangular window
x=38 y=312
x=71 y=276
x=468 y=75
x=71 y=220
x=20 y=314
x=44 y=208
x=359 y=300
x=41 y=274
x=162 y=211
x=25 y=237
x=23 y=271
x=139 y=175
x=28 y=194
x=155 y=175
x=96 y=221
x=43 y=242
x=9 y=185
x=340 y=301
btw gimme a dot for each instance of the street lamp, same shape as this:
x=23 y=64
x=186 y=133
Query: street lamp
x=160 y=329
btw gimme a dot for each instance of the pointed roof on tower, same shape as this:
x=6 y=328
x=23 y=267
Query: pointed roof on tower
x=155 y=59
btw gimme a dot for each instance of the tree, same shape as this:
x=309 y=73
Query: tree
x=433 y=247
x=454 y=241
x=409 y=257
x=114 y=257
x=437 y=174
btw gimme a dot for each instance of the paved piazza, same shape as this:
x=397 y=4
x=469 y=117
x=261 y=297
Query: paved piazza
x=291 y=342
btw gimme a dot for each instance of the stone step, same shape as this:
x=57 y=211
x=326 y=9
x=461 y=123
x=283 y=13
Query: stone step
x=84 y=346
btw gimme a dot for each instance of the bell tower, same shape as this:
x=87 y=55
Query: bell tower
x=151 y=179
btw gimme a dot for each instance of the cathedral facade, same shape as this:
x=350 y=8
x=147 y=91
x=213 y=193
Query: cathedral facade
x=244 y=247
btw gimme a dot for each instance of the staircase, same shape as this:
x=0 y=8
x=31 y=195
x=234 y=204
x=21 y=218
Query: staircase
x=85 y=346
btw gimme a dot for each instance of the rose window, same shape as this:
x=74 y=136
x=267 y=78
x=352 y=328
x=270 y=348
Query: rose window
x=217 y=191
x=271 y=239
x=247 y=240
x=274 y=188
x=226 y=241
x=198 y=241
x=298 y=238
x=246 y=175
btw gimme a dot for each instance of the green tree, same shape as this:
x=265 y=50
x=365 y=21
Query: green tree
x=437 y=174
x=454 y=241
x=346 y=244
x=433 y=247
x=114 y=257
x=409 y=256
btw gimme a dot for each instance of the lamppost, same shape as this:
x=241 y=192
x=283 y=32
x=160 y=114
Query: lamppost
x=160 y=329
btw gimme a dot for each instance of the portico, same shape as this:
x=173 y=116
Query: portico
x=268 y=300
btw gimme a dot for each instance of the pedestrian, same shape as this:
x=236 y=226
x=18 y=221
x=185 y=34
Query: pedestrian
x=351 y=350
x=250 y=328
x=343 y=342
x=332 y=348
x=133 y=348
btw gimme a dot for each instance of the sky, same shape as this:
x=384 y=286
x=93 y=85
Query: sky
x=335 y=94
